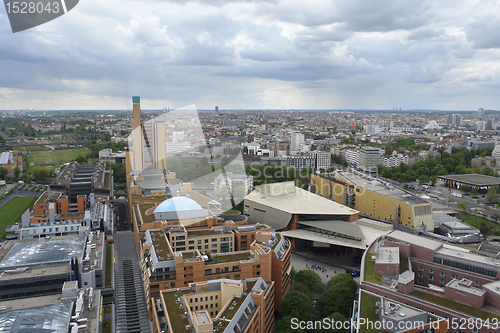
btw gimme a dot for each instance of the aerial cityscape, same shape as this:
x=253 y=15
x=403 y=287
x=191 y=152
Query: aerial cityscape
x=252 y=166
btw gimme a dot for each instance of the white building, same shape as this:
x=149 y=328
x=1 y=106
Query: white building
x=232 y=181
x=296 y=140
x=432 y=125
x=372 y=129
x=395 y=160
x=352 y=157
x=323 y=159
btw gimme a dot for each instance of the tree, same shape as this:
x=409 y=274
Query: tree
x=284 y=325
x=298 y=305
x=474 y=192
x=40 y=174
x=485 y=230
x=239 y=192
x=337 y=298
x=311 y=279
x=462 y=207
x=336 y=318
x=492 y=195
x=3 y=172
x=345 y=279
x=80 y=159
x=17 y=171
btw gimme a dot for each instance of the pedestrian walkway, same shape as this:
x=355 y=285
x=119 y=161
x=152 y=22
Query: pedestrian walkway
x=325 y=270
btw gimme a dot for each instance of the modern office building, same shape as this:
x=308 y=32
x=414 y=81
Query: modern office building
x=369 y=158
x=374 y=198
x=77 y=180
x=39 y=267
x=221 y=305
x=296 y=139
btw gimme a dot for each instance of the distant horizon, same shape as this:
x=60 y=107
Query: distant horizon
x=263 y=110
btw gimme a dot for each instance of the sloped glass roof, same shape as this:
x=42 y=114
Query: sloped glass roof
x=177 y=204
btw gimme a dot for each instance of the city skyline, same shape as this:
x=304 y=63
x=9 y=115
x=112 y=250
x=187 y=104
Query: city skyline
x=256 y=55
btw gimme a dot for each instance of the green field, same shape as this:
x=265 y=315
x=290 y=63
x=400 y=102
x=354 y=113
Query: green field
x=57 y=156
x=11 y=212
x=476 y=222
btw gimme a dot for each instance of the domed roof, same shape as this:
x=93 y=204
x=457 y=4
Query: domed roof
x=177 y=204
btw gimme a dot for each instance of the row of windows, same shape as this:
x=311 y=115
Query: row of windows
x=206 y=299
x=443 y=274
x=44 y=230
x=466 y=267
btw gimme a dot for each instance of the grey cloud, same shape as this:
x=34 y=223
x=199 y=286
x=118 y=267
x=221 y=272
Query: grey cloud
x=425 y=33
x=483 y=32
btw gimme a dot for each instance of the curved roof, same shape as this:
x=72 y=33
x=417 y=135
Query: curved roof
x=177 y=204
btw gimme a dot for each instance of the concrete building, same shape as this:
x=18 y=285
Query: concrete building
x=232 y=181
x=38 y=267
x=107 y=155
x=323 y=159
x=374 y=198
x=351 y=156
x=77 y=180
x=222 y=305
x=301 y=161
x=395 y=160
x=369 y=158
x=482 y=162
x=296 y=140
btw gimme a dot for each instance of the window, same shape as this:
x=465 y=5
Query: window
x=212 y=306
x=191 y=242
x=420 y=268
x=431 y=270
x=199 y=247
x=214 y=239
x=196 y=308
x=441 y=280
x=236 y=276
x=431 y=277
x=206 y=241
x=191 y=247
x=201 y=307
x=190 y=300
x=215 y=298
x=206 y=298
x=442 y=273
x=420 y=274
x=199 y=241
x=214 y=245
x=179 y=237
x=180 y=243
x=477 y=283
x=196 y=300
x=211 y=298
x=453 y=276
x=206 y=247
x=216 y=305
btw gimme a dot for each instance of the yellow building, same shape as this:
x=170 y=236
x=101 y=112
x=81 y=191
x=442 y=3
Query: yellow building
x=374 y=198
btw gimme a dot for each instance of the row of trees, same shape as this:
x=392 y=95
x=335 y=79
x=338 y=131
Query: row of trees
x=336 y=300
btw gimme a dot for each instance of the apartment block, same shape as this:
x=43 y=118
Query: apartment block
x=221 y=305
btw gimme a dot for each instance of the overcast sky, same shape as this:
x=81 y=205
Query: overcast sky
x=257 y=54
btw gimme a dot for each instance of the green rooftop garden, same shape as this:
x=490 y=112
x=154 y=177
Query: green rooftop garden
x=160 y=243
x=174 y=310
x=369 y=267
x=231 y=310
x=478 y=313
x=403 y=265
x=278 y=236
x=368 y=307
x=146 y=218
x=220 y=259
x=109 y=266
x=188 y=255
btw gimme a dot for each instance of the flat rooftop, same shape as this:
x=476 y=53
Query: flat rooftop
x=415 y=240
x=379 y=187
x=160 y=243
x=36 y=252
x=472 y=179
x=47 y=196
x=400 y=312
x=37 y=319
x=231 y=257
x=202 y=317
x=387 y=255
x=32 y=302
x=469 y=257
x=466 y=288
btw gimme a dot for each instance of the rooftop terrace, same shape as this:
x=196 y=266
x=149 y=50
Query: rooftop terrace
x=232 y=257
x=160 y=244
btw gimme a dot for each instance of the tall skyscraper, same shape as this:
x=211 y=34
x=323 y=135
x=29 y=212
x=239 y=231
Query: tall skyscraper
x=480 y=113
x=148 y=140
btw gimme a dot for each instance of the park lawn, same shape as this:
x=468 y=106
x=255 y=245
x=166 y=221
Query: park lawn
x=37 y=148
x=475 y=222
x=58 y=156
x=11 y=212
x=46 y=167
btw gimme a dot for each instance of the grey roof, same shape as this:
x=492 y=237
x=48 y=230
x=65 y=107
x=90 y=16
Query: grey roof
x=324 y=238
x=375 y=185
x=42 y=252
x=4 y=158
x=340 y=227
x=50 y=319
x=415 y=240
x=473 y=179
x=494 y=287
